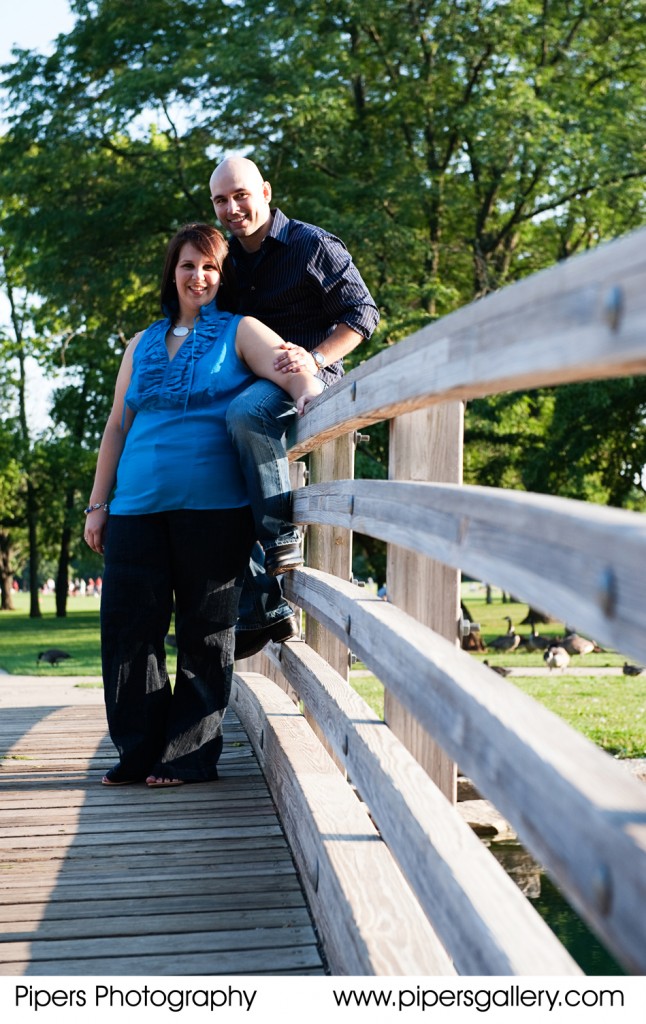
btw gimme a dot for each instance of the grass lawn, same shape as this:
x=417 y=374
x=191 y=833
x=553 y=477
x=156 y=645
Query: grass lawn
x=22 y=638
x=609 y=710
x=491 y=618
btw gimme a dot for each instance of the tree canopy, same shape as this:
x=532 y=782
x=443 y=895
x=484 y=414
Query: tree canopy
x=455 y=145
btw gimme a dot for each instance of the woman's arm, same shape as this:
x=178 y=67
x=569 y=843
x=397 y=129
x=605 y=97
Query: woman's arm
x=258 y=347
x=112 y=442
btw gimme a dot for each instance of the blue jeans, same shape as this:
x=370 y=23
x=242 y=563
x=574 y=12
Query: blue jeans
x=257 y=421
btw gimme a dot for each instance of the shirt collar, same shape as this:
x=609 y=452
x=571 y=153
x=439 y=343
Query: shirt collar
x=207 y=313
x=279 y=227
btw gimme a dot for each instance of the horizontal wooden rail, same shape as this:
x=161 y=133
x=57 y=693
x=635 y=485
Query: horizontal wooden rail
x=479 y=913
x=575 y=810
x=579 y=562
x=554 y=786
x=581 y=320
x=368 y=918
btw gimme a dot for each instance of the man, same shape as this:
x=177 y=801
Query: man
x=300 y=281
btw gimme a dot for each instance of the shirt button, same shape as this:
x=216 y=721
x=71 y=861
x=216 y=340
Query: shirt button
x=253 y=288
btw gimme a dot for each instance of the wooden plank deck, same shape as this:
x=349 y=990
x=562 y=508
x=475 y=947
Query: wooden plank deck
x=129 y=881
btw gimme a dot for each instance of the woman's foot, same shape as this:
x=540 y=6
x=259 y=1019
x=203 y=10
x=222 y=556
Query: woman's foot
x=162 y=782
x=116 y=777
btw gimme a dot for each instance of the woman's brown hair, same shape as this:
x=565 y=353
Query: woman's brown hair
x=209 y=241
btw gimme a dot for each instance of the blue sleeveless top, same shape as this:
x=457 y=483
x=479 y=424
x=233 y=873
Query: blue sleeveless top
x=177 y=453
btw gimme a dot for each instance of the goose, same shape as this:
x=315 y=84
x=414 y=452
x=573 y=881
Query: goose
x=509 y=641
x=556 y=657
x=575 y=644
x=534 y=642
x=500 y=669
x=53 y=655
x=632 y=670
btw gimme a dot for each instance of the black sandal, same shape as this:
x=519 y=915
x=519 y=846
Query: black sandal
x=115 y=777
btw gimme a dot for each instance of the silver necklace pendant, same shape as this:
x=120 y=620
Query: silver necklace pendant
x=180 y=332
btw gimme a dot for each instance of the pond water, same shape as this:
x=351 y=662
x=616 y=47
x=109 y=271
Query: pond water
x=580 y=942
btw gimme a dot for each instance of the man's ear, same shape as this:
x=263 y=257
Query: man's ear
x=266 y=191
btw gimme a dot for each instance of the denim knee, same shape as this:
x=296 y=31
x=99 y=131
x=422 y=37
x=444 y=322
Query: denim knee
x=262 y=405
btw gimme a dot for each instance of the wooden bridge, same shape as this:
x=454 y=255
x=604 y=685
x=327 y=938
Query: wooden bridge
x=208 y=879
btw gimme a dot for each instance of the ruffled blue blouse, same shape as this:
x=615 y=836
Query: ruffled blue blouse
x=177 y=453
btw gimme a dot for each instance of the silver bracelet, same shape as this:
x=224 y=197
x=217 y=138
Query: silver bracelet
x=93 y=508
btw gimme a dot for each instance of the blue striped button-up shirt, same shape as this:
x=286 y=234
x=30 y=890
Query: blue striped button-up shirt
x=302 y=283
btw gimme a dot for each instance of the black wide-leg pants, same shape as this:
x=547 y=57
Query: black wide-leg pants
x=194 y=560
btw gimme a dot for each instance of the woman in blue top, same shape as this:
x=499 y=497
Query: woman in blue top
x=178 y=529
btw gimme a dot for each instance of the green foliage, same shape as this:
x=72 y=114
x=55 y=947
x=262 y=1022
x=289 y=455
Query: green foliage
x=585 y=441
x=454 y=146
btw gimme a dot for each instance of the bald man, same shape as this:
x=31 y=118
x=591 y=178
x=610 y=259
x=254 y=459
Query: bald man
x=301 y=281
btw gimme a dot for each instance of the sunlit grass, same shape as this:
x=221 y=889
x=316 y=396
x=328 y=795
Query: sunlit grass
x=22 y=638
x=609 y=709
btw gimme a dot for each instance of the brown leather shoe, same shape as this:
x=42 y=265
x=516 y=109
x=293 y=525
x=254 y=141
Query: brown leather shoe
x=250 y=641
x=283 y=558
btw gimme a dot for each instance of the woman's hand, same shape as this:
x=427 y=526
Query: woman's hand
x=95 y=524
x=304 y=400
x=294 y=359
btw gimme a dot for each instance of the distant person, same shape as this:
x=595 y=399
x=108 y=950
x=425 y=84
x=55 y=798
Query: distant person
x=299 y=280
x=179 y=526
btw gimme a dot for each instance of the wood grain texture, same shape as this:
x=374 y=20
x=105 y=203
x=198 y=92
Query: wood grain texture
x=578 y=562
x=131 y=881
x=365 y=912
x=551 y=328
x=482 y=918
x=425 y=445
x=330 y=547
x=536 y=770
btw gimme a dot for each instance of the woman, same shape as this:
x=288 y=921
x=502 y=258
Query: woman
x=178 y=528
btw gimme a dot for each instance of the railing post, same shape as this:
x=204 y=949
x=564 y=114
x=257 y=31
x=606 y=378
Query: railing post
x=425 y=445
x=329 y=548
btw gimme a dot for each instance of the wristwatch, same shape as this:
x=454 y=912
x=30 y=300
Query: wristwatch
x=318 y=358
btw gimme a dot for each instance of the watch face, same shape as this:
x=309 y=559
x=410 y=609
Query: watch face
x=318 y=358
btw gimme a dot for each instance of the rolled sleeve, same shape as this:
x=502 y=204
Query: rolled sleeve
x=344 y=295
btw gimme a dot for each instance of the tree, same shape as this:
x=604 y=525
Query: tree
x=9 y=510
x=19 y=348
x=455 y=145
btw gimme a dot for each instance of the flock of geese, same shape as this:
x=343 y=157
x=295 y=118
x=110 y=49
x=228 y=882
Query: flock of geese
x=557 y=651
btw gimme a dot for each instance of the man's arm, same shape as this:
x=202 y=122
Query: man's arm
x=344 y=298
x=338 y=344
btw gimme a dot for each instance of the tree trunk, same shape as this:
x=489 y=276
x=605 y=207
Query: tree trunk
x=32 y=520
x=6 y=575
x=62 y=575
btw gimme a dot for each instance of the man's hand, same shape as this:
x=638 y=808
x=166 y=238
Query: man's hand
x=294 y=359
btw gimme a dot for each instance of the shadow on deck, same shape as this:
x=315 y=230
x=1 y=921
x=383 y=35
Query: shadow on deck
x=127 y=881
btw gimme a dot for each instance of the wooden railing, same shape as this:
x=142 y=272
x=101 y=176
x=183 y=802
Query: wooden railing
x=397 y=882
